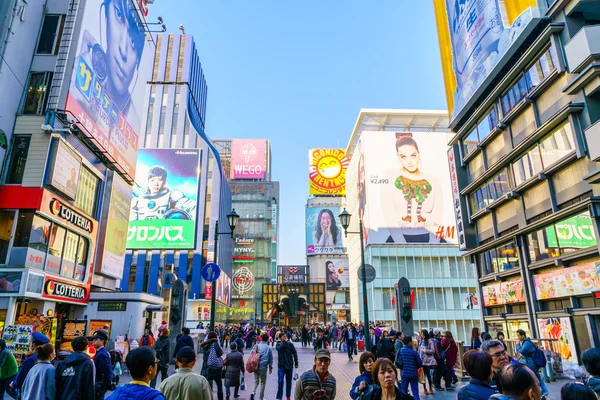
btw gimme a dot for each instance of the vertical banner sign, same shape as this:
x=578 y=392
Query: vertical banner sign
x=248 y=158
x=109 y=79
x=163 y=209
x=327 y=171
x=460 y=229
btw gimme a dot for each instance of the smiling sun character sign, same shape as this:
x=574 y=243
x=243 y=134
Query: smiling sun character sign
x=327 y=171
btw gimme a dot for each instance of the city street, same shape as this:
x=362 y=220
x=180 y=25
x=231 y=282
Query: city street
x=344 y=371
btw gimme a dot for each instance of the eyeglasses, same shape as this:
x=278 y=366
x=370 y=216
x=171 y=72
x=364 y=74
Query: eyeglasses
x=319 y=393
x=501 y=354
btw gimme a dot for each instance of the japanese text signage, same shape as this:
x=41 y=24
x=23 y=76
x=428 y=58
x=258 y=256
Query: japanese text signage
x=324 y=231
x=248 y=158
x=327 y=171
x=460 y=229
x=293 y=273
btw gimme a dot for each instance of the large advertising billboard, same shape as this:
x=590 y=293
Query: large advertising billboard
x=223 y=289
x=117 y=221
x=327 y=171
x=473 y=38
x=324 y=231
x=503 y=293
x=248 y=158
x=561 y=332
x=404 y=191
x=109 y=79
x=291 y=273
x=163 y=208
x=573 y=281
x=337 y=273
x=66 y=165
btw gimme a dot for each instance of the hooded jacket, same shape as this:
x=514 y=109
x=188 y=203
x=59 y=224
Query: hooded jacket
x=75 y=377
x=136 y=392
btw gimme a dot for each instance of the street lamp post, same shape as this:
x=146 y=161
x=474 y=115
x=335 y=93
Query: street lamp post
x=345 y=220
x=232 y=219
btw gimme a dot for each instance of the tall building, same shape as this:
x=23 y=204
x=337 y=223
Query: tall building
x=255 y=198
x=524 y=114
x=70 y=122
x=397 y=188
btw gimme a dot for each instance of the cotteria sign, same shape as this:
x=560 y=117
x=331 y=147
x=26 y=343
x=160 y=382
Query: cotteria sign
x=57 y=289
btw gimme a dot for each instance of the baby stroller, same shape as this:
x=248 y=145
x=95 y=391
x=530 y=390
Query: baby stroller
x=116 y=358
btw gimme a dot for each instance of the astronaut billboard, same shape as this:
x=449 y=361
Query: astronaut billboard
x=163 y=207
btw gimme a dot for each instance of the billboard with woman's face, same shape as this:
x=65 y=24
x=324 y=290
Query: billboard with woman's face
x=337 y=273
x=324 y=231
x=109 y=78
x=406 y=193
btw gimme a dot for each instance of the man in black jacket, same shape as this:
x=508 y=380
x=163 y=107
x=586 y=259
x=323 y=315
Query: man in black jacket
x=385 y=347
x=185 y=340
x=75 y=375
x=288 y=360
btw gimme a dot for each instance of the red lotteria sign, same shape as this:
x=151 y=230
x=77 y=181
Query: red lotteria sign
x=65 y=291
x=144 y=6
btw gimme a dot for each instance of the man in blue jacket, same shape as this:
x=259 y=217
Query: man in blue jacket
x=410 y=368
x=38 y=339
x=102 y=363
x=75 y=375
x=142 y=366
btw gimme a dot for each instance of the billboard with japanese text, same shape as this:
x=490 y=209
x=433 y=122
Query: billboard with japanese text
x=404 y=189
x=163 y=207
x=248 y=158
x=324 y=231
x=106 y=92
x=327 y=171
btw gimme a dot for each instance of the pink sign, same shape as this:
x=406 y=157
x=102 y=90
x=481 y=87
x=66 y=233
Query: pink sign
x=248 y=158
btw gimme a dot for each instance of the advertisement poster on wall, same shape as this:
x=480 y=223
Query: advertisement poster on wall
x=406 y=190
x=10 y=282
x=163 y=209
x=72 y=330
x=248 y=158
x=324 y=231
x=572 y=281
x=65 y=169
x=478 y=39
x=223 y=289
x=111 y=68
x=337 y=273
x=560 y=329
x=573 y=233
x=115 y=245
x=469 y=301
x=503 y=293
x=97 y=324
x=327 y=171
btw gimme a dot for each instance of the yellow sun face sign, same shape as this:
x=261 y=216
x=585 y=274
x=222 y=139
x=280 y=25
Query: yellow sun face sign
x=327 y=171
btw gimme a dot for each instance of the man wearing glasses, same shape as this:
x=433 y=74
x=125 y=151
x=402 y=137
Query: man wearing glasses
x=317 y=383
x=500 y=357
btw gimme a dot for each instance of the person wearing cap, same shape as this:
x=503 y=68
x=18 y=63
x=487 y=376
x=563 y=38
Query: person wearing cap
x=141 y=363
x=186 y=384
x=37 y=339
x=385 y=347
x=317 y=382
x=102 y=363
x=162 y=326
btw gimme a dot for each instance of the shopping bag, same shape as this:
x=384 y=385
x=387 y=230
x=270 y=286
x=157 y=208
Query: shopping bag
x=295 y=376
x=243 y=383
x=421 y=376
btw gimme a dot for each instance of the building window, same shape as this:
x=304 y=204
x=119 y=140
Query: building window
x=527 y=166
x=495 y=188
x=470 y=142
x=483 y=128
x=476 y=167
x=87 y=192
x=37 y=93
x=51 y=34
x=571 y=234
x=132 y=274
x=514 y=95
x=18 y=159
x=557 y=145
x=501 y=258
x=540 y=70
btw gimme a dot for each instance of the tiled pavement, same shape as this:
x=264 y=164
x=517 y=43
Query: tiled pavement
x=344 y=371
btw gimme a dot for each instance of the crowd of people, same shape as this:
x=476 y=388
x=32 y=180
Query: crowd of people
x=395 y=368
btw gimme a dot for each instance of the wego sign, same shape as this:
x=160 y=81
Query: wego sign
x=70 y=215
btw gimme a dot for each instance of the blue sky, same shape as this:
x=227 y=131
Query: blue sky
x=298 y=73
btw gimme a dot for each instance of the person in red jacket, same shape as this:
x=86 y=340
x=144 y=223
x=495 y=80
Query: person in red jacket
x=147 y=339
x=451 y=350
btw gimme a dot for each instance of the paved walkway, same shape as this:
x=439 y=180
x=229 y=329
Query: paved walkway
x=344 y=371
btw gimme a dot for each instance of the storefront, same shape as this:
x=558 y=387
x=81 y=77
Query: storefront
x=48 y=262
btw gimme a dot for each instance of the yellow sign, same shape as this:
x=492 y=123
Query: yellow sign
x=327 y=171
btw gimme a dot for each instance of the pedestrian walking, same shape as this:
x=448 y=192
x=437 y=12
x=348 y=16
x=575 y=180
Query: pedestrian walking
x=183 y=340
x=321 y=341
x=427 y=354
x=266 y=362
x=475 y=340
x=577 y=391
x=234 y=371
x=451 y=350
x=385 y=376
x=162 y=349
x=528 y=350
x=349 y=337
x=287 y=361
x=363 y=384
x=385 y=347
x=591 y=361
x=517 y=381
x=212 y=363
x=141 y=363
x=102 y=363
x=317 y=382
x=239 y=340
x=38 y=339
x=411 y=362
x=75 y=374
x=441 y=368
x=185 y=384
x=478 y=365
x=40 y=383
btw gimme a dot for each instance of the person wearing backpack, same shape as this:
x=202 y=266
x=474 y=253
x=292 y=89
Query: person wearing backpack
x=162 y=355
x=212 y=363
x=265 y=362
x=533 y=357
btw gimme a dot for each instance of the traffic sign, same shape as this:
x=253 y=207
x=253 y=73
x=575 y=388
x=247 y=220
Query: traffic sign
x=370 y=273
x=211 y=272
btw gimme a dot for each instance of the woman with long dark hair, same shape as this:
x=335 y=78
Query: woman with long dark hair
x=451 y=350
x=475 y=339
x=363 y=384
x=327 y=234
x=427 y=352
x=331 y=276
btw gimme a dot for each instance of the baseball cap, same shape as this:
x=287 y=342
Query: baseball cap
x=39 y=338
x=186 y=355
x=322 y=353
x=393 y=333
x=101 y=334
x=437 y=331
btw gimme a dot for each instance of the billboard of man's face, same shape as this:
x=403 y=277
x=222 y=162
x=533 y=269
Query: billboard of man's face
x=155 y=184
